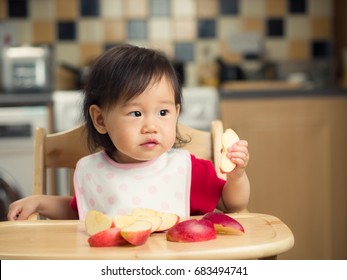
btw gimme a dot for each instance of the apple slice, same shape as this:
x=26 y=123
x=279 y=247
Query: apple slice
x=121 y=221
x=168 y=219
x=224 y=223
x=97 y=221
x=192 y=231
x=137 y=233
x=107 y=238
x=229 y=138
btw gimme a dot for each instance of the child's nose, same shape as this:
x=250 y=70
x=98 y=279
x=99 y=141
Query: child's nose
x=149 y=127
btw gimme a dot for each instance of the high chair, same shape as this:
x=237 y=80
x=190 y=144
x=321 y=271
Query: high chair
x=64 y=149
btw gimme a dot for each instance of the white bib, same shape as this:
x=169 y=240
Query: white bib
x=162 y=184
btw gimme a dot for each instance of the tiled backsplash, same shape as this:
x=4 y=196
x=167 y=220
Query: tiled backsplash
x=193 y=31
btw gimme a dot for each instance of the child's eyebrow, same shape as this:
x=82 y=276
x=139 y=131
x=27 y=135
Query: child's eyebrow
x=134 y=103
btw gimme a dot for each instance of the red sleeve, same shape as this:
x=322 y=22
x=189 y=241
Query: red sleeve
x=206 y=187
x=73 y=203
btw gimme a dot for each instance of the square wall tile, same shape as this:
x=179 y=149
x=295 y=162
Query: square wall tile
x=136 y=9
x=207 y=28
x=275 y=27
x=298 y=27
x=67 y=9
x=276 y=50
x=297 y=6
x=321 y=49
x=183 y=8
x=253 y=24
x=89 y=8
x=23 y=30
x=114 y=30
x=252 y=8
x=299 y=50
x=18 y=8
x=111 y=8
x=67 y=52
x=165 y=46
x=207 y=8
x=276 y=8
x=184 y=52
x=160 y=7
x=137 y=29
x=66 y=30
x=42 y=9
x=160 y=28
x=321 y=7
x=184 y=29
x=321 y=27
x=43 y=32
x=229 y=7
x=90 y=30
x=3 y=9
x=89 y=52
x=228 y=26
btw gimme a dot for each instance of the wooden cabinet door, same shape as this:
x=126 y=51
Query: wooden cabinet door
x=290 y=168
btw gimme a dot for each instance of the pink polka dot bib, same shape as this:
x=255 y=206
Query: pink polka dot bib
x=162 y=184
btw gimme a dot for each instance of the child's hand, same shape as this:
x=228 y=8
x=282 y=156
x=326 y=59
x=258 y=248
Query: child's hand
x=238 y=154
x=22 y=209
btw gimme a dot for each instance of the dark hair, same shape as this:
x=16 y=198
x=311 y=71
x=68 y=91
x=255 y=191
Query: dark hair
x=120 y=74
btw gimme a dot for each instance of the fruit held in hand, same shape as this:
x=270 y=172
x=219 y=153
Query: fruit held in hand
x=224 y=223
x=192 y=231
x=107 y=238
x=137 y=233
x=168 y=219
x=229 y=138
x=96 y=221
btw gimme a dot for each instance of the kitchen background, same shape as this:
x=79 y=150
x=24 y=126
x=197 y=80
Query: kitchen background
x=293 y=35
x=273 y=70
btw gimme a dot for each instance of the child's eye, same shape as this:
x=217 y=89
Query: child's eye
x=136 y=114
x=163 y=112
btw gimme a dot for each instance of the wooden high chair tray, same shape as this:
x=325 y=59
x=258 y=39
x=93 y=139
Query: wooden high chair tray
x=265 y=236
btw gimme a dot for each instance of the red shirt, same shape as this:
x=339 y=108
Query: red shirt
x=205 y=190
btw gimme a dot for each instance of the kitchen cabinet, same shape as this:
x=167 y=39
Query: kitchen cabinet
x=297 y=168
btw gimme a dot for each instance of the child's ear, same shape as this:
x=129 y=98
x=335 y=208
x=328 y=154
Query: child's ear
x=97 y=119
x=178 y=109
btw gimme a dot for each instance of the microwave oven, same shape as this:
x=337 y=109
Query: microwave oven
x=27 y=69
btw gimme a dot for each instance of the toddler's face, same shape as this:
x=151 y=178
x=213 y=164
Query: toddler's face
x=144 y=127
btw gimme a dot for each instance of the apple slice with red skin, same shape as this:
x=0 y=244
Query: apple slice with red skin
x=224 y=223
x=168 y=219
x=192 y=231
x=97 y=221
x=229 y=138
x=137 y=233
x=107 y=238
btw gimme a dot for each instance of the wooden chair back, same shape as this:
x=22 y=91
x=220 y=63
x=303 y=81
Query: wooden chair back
x=64 y=149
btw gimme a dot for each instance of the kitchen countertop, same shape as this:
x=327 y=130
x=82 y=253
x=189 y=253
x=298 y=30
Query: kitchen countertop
x=240 y=90
x=226 y=92
x=25 y=99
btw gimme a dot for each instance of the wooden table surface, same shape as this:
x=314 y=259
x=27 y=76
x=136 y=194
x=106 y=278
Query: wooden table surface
x=265 y=236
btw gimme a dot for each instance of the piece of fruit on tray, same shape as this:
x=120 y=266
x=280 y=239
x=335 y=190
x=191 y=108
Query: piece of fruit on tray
x=204 y=229
x=134 y=228
x=224 y=223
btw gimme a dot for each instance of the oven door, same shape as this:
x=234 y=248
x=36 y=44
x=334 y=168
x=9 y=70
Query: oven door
x=17 y=132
